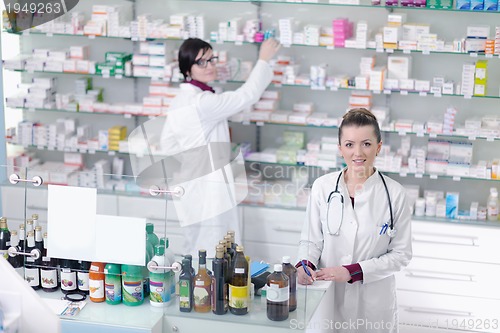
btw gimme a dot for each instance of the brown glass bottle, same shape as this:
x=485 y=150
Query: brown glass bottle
x=291 y=272
x=238 y=287
x=229 y=248
x=277 y=294
x=202 y=285
x=219 y=285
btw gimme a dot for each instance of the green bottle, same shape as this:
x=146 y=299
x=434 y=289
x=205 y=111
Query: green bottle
x=113 y=283
x=132 y=288
x=151 y=236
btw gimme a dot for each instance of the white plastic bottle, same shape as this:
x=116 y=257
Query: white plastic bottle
x=493 y=205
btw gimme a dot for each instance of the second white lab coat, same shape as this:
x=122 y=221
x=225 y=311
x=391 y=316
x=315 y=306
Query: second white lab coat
x=369 y=306
x=197 y=120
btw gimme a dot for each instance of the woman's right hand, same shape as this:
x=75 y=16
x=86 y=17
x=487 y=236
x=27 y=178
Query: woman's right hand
x=303 y=278
x=268 y=49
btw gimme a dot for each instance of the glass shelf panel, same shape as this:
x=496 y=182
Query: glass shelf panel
x=126 y=115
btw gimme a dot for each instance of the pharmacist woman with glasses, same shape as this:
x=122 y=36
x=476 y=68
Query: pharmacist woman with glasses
x=357 y=233
x=196 y=127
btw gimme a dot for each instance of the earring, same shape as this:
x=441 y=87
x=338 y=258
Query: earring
x=188 y=78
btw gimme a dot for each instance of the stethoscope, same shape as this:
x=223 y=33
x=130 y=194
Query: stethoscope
x=336 y=196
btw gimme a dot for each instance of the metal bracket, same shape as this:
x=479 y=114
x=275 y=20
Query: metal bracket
x=35 y=254
x=153 y=267
x=36 y=181
x=178 y=191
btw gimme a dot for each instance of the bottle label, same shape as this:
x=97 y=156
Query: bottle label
x=133 y=291
x=184 y=293
x=171 y=281
x=238 y=297
x=68 y=280
x=113 y=288
x=49 y=278
x=492 y=211
x=239 y=271
x=32 y=276
x=96 y=288
x=276 y=294
x=159 y=288
x=201 y=295
x=83 y=281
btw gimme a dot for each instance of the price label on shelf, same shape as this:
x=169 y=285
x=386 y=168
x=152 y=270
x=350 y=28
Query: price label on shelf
x=26 y=33
x=278 y=85
x=420 y=134
x=422 y=93
x=472 y=138
x=434 y=176
x=403 y=174
x=111 y=153
x=419 y=175
x=406 y=51
x=83 y=150
x=74 y=150
x=238 y=43
x=404 y=92
x=387 y=91
x=259 y=123
x=127 y=115
x=432 y=135
x=51 y=148
x=31 y=71
x=426 y=52
x=402 y=133
x=40 y=147
x=324 y=168
x=287 y=45
x=118 y=76
x=134 y=39
x=142 y=39
x=468 y=96
x=490 y=139
x=67 y=149
x=438 y=95
x=473 y=55
x=379 y=50
x=246 y=122
x=31 y=109
x=334 y=88
x=376 y=92
x=91 y=36
x=330 y=47
x=488 y=55
x=91 y=151
x=389 y=50
x=105 y=74
x=151 y=117
x=220 y=41
x=456 y=178
x=50 y=34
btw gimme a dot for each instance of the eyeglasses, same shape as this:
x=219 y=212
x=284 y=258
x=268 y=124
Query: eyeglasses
x=203 y=63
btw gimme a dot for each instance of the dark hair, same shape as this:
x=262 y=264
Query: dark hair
x=360 y=117
x=188 y=52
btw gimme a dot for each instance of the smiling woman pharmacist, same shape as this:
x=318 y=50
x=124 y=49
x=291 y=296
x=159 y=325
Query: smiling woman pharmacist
x=357 y=233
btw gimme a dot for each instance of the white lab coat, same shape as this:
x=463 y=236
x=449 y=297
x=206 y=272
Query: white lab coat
x=371 y=303
x=198 y=119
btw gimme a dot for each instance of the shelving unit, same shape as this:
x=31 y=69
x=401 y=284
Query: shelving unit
x=279 y=226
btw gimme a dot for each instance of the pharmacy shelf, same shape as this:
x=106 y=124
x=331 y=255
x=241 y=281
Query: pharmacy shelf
x=124 y=114
x=388 y=51
x=400 y=174
x=279 y=85
x=68 y=150
x=53 y=34
x=401 y=133
x=365 y=4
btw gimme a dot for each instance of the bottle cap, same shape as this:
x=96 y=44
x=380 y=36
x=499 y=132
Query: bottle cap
x=114 y=269
x=38 y=228
x=29 y=221
x=34 y=216
x=150 y=228
x=44 y=235
x=159 y=250
x=278 y=268
x=239 y=248
x=286 y=259
x=13 y=233
x=21 y=226
x=31 y=234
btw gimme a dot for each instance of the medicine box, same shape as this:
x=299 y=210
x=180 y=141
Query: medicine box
x=452 y=204
x=440 y=4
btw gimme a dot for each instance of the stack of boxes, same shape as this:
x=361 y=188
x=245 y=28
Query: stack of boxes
x=292 y=143
x=480 y=78
x=286 y=30
x=497 y=40
x=342 y=30
x=153 y=61
x=115 y=135
x=468 y=74
x=392 y=32
x=399 y=70
x=114 y=64
x=311 y=35
x=449 y=120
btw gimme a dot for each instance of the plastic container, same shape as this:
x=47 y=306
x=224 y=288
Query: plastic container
x=159 y=282
x=132 y=288
x=113 y=283
x=96 y=282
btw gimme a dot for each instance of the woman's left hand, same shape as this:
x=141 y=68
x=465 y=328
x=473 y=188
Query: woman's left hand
x=337 y=274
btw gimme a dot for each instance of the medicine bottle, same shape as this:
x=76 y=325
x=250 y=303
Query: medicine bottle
x=493 y=205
